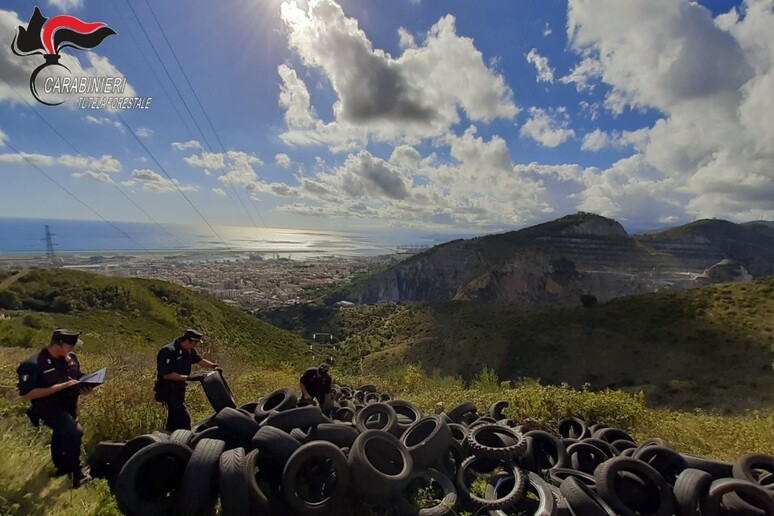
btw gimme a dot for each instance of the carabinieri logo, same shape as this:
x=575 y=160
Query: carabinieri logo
x=47 y=37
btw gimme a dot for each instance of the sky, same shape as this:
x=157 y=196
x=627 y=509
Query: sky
x=447 y=117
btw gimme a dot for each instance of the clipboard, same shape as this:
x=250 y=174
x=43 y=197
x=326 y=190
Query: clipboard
x=93 y=379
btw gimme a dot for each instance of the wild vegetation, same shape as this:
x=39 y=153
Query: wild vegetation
x=250 y=352
x=676 y=347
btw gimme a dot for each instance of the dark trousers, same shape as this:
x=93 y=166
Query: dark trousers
x=65 y=440
x=178 y=417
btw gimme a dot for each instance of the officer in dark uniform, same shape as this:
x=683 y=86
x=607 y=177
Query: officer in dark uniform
x=49 y=380
x=316 y=383
x=173 y=367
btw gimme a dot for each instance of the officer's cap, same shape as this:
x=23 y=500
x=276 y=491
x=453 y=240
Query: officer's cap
x=192 y=335
x=63 y=336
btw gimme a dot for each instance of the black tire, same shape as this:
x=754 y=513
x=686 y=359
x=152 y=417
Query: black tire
x=279 y=400
x=380 y=464
x=546 y=505
x=149 y=481
x=217 y=391
x=369 y=387
x=199 y=489
x=602 y=445
x=333 y=499
x=427 y=440
x=426 y=476
x=559 y=475
x=547 y=451
x=691 y=492
x=586 y=457
x=485 y=441
x=371 y=397
x=108 y=451
x=507 y=500
x=408 y=410
x=387 y=418
x=260 y=502
x=458 y=413
x=612 y=434
x=181 y=436
x=344 y=414
x=459 y=433
x=755 y=495
x=239 y=424
x=666 y=461
x=716 y=468
x=298 y=434
x=658 y=495
x=341 y=435
x=301 y=417
x=744 y=466
x=234 y=500
x=131 y=447
x=582 y=501
x=573 y=427
x=496 y=410
x=622 y=444
x=276 y=442
x=214 y=432
x=249 y=407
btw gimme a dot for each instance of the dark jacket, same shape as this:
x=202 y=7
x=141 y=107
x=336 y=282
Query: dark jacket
x=172 y=358
x=43 y=370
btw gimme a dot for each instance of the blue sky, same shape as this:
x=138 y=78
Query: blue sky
x=403 y=115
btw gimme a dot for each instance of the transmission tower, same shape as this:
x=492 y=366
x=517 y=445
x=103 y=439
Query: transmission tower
x=50 y=255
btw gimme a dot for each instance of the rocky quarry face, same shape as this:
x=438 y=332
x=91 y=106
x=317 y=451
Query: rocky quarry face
x=557 y=262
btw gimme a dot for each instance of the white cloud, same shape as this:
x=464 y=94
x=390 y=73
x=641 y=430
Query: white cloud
x=236 y=166
x=24 y=158
x=107 y=164
x=547 y=30
x=406 y=39
x=189 y=145
x=220 y=192
x=3 y=138
x=417 y=95
x=283 y=160
x=103 y=120
x=93 y=176
x=206 y=160
x=144 y=132
x=710 y=79
x=585 y=74
x=66 y=5
x=153 y=182
x=544 y=72
x=550 y=128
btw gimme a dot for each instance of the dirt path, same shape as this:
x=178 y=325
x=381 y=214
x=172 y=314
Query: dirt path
x=7 y=282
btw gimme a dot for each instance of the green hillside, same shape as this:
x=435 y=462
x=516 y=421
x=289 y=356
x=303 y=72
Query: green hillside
x=129 y=313
x=710 y=347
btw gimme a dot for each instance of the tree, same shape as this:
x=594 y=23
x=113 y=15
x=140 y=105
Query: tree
x=9 y=300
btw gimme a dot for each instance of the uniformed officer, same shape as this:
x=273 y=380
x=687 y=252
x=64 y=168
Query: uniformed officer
x=316 y=383
x=173 y=367
x=49 y=380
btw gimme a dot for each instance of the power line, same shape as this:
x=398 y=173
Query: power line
x=172 y=181
x=222 y=147
x=68 y=192
x=74 y=148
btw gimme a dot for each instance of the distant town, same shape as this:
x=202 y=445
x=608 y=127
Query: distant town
x=250 y=280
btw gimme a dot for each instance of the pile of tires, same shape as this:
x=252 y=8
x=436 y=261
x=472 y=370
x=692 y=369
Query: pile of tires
x=275 y=455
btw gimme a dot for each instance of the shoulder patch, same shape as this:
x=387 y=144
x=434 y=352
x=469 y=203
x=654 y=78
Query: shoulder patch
x=25 y=377
x=169 y=360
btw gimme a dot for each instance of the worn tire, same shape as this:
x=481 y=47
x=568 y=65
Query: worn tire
x=573 y=427
x=199 y=489
x=496 y=409
x=148 y=483
x=217 y=391
x=546 y=505
x=239 y=424
x=301 y=417
x=691 y=492
x=607 y=483
x=511 y=446
x=380 y=464
x=279 y=400
x=427 y=440
x=586 y=457
x=341 y=435
x=510 y=498
x=295 y=464
x=408 y=410
x=666 y=461
x=181 y=436
x=718 y=469
x=131 y=447
x=445 y=505
x=543 y=447
x=458 y=413
x=234 y=499
x=276 y=442
x=753 y=493
x=582 y=501
x=388 y=418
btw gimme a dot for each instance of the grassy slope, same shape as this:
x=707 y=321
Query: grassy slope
x=130 y=312
x=676 y=347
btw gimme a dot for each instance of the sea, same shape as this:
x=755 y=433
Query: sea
x=28 y=237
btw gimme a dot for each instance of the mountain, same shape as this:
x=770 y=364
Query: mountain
x=707 y=347
x=557 y=262
x=122 y=313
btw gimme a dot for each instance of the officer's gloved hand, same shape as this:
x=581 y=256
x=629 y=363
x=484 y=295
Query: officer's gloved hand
x=196 y=378
x=216 y=367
